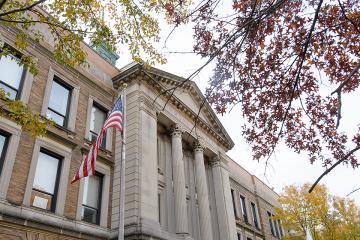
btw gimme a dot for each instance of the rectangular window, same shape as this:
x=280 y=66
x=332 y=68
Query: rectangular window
x=243 y=208
x=59 y=103
x=46 y=180
x=92 y=199
x=238 y=236
x=4 y=138
x=280 y=229
x=276 y=226
x=233 y=202
x=254 y=213
x=271 y=224
x=98 y=117
x=11 y=75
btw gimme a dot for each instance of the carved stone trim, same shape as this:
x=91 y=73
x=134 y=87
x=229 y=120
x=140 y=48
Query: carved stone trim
x=215 y=162
x=219 y=160
x=199 y=145
x=176 y=130
x=156 y=77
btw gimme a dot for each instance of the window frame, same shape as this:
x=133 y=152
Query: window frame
x=244 y=209
x=106 y=111
x=109 y=132
x=70 y=89
x=57 y=148
x=277 y=234
x=14 y=132
x=272 y=227
x=23 y=74
x=105 y=196
x=57 y=179
x=238 y=236
x=98 y=210
x=281 y=232
x=233 y=194
x=5 y=148
x=255 y=215
x=73 y=97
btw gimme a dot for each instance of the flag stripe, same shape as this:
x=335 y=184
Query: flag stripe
x=114 y=119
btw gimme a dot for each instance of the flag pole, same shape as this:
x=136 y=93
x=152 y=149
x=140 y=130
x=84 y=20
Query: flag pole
x=122 y=169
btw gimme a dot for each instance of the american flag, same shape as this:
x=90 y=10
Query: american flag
x=114 y=119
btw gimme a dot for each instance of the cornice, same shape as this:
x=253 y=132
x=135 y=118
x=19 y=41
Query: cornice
x=158 y=78
x=105 y=90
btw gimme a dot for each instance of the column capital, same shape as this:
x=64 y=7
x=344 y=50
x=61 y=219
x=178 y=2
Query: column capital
x=199 y=145
x=219 y=160
x=215 y=162
x=176 y=130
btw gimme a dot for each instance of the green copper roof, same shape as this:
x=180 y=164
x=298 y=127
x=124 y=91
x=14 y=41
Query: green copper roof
x=103 y=51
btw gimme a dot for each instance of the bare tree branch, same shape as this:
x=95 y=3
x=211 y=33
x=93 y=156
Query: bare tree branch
x=47 y=23
x=353 y=191
x=332 y=167
x=297 y=78
x=262 y=15
x=338 y=92
x=347 y=18
x=22 y=9
x=347 y=79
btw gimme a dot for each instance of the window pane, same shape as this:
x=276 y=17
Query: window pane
x=10 y=71
x=98 y=117
x=46 y=173
x=59 y=98
x=58 y=119
x=2 y=150
x=233 y=202
x=2 y=143
x=271 y=224
x=89 y=215
x=253 y=207
x=11 y=92
x=243 y=204
x=92 y=187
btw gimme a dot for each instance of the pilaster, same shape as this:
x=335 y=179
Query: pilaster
x=224 y=208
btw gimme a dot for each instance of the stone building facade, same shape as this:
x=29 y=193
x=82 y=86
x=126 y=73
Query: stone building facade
x=180 y=184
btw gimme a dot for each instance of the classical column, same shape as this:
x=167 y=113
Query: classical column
x=181 y=216
x=224 y=207
x=202 y=193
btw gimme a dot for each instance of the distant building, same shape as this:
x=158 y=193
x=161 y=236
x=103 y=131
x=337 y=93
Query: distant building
x=180 y=184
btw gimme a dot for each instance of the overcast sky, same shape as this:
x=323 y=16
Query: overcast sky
x=286 y=167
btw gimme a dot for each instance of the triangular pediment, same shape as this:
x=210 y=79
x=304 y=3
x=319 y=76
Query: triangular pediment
x=187 y=97
x=191 y=100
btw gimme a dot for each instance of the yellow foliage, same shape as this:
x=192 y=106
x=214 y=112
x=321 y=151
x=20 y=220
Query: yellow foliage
x=327 y=217
x=22 y=115
x=118 y=23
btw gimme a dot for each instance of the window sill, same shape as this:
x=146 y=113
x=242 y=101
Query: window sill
x=107 y=152
x=91 y=224
x=44 y=211
x=103 y=153
x=62 y=128
x=250 y=227
x=32 y=214
x=56 y=126
x=62 y=133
